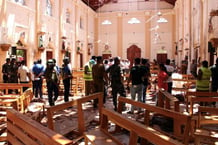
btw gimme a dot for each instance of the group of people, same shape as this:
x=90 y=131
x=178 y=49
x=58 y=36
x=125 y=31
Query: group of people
x=101 y=74
x=14 y=72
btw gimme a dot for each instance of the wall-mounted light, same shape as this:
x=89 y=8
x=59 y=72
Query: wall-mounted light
x=106 y=22
x=134 y=21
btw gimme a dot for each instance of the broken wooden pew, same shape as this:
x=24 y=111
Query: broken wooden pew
x=78 y=103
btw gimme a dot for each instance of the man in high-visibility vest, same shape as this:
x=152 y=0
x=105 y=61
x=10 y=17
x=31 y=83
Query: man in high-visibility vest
x=88 y=77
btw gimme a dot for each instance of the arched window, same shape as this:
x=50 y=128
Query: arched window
x=22 y=2
x=48 y=8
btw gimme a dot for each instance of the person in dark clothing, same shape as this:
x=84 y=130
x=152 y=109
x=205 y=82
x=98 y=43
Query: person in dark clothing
x=6 y=71
x=146 y=72
x=52 y=80
x=136 y=77
x=99 y=78
x=214 y=75
x=116 y=81
x=66 y=77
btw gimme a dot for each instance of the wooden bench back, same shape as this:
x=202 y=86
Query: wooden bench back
x=136 y=129
x=192 y=97
x=21 y=130
x=18 y=86
x=165 y=99
x=78 y=102
x=211 y=113
x=179 y=119
x=25 y=99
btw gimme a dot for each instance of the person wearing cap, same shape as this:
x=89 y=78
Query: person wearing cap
x=88 y=77
x=52 y=81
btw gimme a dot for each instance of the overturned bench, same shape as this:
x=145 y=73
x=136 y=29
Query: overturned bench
x=102 y=136
x=22 y=130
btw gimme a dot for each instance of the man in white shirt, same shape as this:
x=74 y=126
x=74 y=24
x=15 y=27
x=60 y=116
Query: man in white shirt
x=24 y=74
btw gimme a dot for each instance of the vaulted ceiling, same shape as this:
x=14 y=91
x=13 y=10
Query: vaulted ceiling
x=95 y=4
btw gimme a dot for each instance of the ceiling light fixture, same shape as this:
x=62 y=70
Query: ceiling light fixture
x=106 y=22
x=134 y=21
x=162 y=20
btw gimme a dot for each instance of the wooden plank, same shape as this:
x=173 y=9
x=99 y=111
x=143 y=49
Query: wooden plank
x=12 y=140
x=20 y=134
x=36 y=130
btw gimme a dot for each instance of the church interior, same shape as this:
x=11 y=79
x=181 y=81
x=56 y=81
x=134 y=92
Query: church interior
x=182 y=31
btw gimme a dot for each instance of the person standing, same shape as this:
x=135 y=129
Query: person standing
x=24 y=74
x=38 y=72
x=193 y=68
x=136 y=79
x=162 y=77
x=146 y=72
x=66 y=77
x=99 y=78
x=6 y=71
x=214 y=75
x=115 y=76
x=13 y=71
x=170 y=70
x=52 y=81
x=203 y=77
x=88 y=77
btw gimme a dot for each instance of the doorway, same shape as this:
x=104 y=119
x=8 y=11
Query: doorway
x=49 y=55
x=133 y=52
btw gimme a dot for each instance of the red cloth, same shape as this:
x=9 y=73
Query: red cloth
x=162 y=78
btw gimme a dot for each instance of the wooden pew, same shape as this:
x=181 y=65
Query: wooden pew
x=78 y=102
x=21 y=130
x=207 y=116
x=18 y=102
x=179 y=120
x=193 y=97
x=206 y=137
x=184 y=81
x=205 y=133
x=165 y=100
x=101 y=136
x=14 y=86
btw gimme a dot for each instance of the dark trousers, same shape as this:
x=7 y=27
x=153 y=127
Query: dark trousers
x=144 y=93
x=37 y=88
x=117 y=88
x=170 y=85
x=66 y=83
x=24 y=88
x=52 y=87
